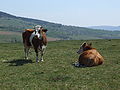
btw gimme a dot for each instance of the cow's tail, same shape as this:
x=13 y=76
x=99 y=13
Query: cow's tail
x=23 y=37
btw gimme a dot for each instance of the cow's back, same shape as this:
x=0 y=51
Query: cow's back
x=91 y=58
x=26 y=37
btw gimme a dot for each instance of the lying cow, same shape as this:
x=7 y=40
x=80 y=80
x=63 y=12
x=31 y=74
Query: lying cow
x=89 y=56
x=36 y=39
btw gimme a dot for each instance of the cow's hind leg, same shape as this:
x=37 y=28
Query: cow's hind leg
x=41 y=56
x=26 y=50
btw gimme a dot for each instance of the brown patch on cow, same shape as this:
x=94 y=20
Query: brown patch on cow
x=26 y=37
x=30 y=30
x=90 y=56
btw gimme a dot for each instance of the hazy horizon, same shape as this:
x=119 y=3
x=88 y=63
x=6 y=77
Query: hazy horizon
x=67 y=12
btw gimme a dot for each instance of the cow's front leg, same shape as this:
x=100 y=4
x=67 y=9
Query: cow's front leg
x=42 y=52
x=37 y=60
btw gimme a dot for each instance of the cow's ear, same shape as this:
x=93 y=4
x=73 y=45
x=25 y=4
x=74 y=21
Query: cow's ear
x=90 y=44
x=84 y=44
x=44 y=30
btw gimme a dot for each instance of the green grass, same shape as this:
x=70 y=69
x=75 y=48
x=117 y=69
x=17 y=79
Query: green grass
x=57 y=71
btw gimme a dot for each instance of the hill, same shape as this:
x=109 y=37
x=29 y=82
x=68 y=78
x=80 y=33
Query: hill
x=109 y=28
x=13 y=23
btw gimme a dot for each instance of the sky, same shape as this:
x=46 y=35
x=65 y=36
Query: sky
x=67 y=12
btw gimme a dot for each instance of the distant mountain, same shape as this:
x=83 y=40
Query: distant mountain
x=13 y=23
x=109 y=28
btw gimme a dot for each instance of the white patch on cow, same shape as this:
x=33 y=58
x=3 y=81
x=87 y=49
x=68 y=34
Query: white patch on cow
x=77 y=64
x=34 y=34
x=37 y=27
x=31 y=37
x=44 y=47
x=37 y=34
x=80 y=50
x=42 y=59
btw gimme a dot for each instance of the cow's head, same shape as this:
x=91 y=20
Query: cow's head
x=38 y=27
x=85 y=46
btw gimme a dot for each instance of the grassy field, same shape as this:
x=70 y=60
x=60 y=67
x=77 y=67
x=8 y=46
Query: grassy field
x=57 y=71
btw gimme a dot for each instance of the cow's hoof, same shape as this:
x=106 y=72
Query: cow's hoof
x=41 y=60
x=37 y=61
x=26 y=58
x=77 y=64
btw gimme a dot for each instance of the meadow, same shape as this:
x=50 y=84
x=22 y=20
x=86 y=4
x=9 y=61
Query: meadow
x=57 y=72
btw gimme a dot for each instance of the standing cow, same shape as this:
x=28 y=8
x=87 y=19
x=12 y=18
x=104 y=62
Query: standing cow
x=89 y=56
x=35 y=38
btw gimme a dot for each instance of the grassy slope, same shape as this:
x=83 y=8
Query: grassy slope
x=57 y=71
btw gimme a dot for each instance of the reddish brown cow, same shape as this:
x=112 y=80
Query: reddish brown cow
x=89 y=56
x=36 y=39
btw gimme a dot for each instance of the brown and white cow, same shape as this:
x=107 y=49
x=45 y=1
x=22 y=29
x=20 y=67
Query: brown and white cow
x=36 y=39
x=89 y=56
